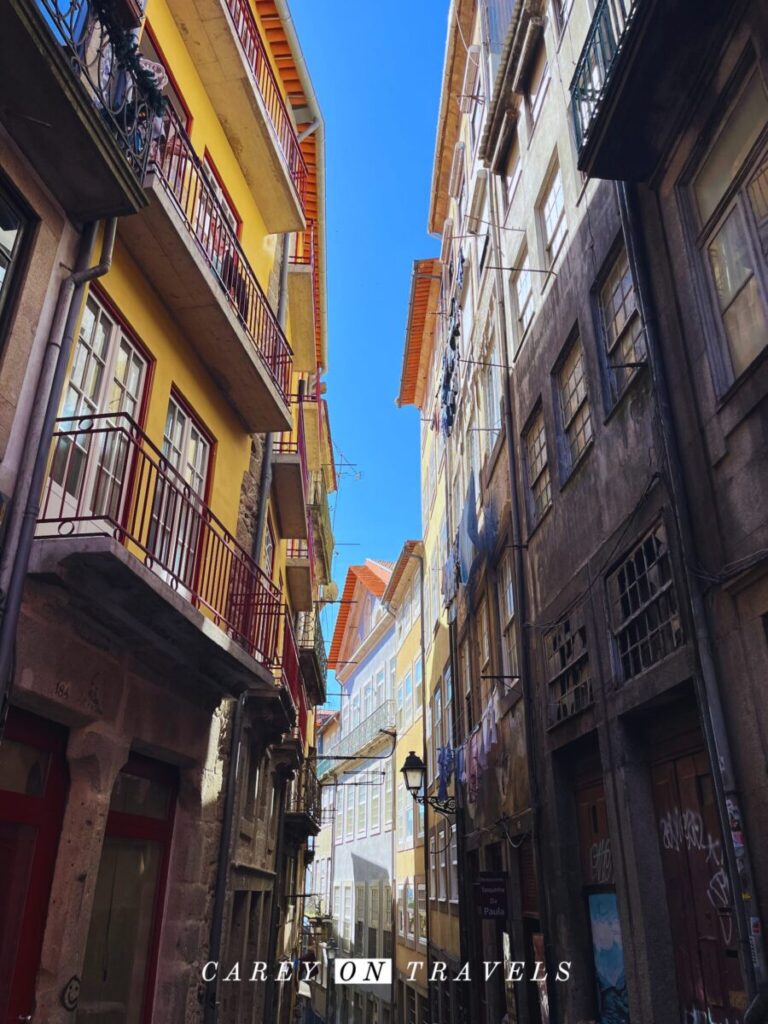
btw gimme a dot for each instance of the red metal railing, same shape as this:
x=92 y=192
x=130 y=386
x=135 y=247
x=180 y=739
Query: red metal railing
x=290 y=670
x=107 y=477
x=303 y=249
x=255 y=53
x=184 y=178
x=304 y=254
x=293 y=442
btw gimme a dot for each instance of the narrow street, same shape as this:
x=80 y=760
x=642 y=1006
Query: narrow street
x=320 y=709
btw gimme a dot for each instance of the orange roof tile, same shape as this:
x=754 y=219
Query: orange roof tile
x=422 y=312
x=374 y=576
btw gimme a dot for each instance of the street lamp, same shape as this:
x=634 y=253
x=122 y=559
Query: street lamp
x=330 y=952
x=414 y=772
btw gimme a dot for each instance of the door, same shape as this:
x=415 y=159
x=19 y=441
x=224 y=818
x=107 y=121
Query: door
x=33 y=788
x=91 y=460
x=123 y=938
x=699 y=894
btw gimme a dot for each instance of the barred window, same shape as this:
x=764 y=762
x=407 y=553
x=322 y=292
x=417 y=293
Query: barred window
x=538 y=468
x=568 y=670
x=624 y=335
x=643 y=605
x=574 y=403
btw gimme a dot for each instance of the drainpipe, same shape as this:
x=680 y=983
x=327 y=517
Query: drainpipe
x=270 y=989
x=37 y=443
x=265 y=479
x=751 y=944
x=211 y=1006
x=523 y=649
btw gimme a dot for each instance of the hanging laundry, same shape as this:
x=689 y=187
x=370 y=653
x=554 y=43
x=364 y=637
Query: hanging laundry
x=468 y=538
x=444 y=771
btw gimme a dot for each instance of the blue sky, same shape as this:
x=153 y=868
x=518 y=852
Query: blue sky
x=376 y=68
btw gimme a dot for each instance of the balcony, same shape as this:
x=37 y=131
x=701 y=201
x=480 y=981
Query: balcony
x=66 y=90
x=323 y=531
x=126 y=532
x=186 y=245
x=302 y=808
x=639 y=62
x=232 y=61
x=290 y=479
x=300 y=571
x=312 y=655
x=304 y=299
x=360 y=738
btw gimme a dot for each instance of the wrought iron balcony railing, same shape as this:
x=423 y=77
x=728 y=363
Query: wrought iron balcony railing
x=255 y=53
x=309 y=635
x=104 y=60
x=605 y=40
x=183 y=176
x=304 y=795
x=318 y=503
x=290 y=674
x=361 y=736
x=108 y=478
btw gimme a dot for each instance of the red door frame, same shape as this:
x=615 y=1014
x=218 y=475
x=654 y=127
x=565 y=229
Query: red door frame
x=45 y=813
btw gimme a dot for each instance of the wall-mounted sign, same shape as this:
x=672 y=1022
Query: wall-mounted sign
x=491 y=895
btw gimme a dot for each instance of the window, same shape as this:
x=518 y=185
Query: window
x=512 y=169
x=731 y=195
x=644 y=613
x=409 y=805
x=12 y=232
x=387 y=798
x=346 y=924
x=410 y=910
x=523 y=295
x=506 y=593
x=401 y=909
x=417 y=688
x=539 y=482
x=375 y=808
x=621 y=323
x=491 y=386
x=175 y=529
x=400 y=815
x=483 y=639
x=408 y=698
x=362 y=806
x=552 y=214
x=107 y=378
x=386 y=911
x=570 y=682
x=537 y=86
x=226 y=205
x=337 y=907
x=442 y=861
x=421 y=912
x=379 y=694
x=563 y=8
x=349 y=821
x=374 y=918
x=574 y=404
x=432 y=867
x=400 y=708
x=359 y=919
x=367 y=699
x=454 y=870
x=392 y=677
x=465 y=661
x=356 y=710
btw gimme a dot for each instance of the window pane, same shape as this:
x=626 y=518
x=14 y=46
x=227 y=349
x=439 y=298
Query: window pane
x=737 y=292
x=11 y=227
x=743 y=126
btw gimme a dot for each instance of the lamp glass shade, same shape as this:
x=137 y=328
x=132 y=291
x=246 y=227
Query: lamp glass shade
x=414 y=771
x=330 y=950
